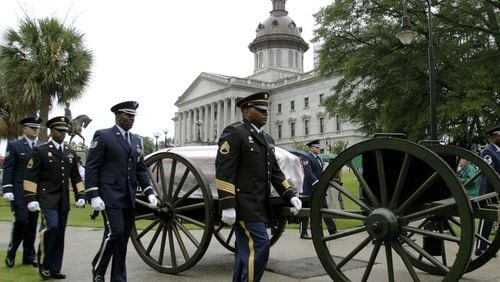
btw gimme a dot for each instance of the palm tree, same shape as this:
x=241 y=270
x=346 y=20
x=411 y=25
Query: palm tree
x=42 y=63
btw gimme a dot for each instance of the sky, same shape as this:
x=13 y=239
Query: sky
x=150 y=51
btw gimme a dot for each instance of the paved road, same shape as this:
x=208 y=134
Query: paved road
x=291 y=257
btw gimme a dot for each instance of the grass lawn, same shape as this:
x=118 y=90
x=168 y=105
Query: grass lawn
x=24 y=273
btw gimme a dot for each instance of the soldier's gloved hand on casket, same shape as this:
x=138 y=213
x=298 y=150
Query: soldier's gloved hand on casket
x=229 y=216
x=8 y=196
x=97 y=204
x=33 y=206
x=153 y=202
x=80 y=203
x=297 y=205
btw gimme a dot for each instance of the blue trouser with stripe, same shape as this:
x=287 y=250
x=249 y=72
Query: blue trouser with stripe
x=252 y=251
x=117 y=226
x=53 y=229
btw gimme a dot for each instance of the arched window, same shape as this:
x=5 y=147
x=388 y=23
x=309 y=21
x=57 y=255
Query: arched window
x=261 y=60
x=290 y=58
x=271 y=58
x=278 y=58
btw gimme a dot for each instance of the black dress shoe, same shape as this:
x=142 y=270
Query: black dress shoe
x=34 y=263
x=57 y=275
x=9 y=262
x=45 y=273
x=479 y=252
x=305 y=236
x=98 y=278
x=332 y=232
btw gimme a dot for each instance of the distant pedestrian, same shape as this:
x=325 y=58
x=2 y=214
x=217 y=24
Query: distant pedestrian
x=466 y=171
x=313 y=169
x=46 y=188
x=16 y=158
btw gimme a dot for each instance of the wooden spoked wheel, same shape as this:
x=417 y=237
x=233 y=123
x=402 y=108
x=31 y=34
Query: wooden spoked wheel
x=399 y=185
x=175 y=236
x=485 y=207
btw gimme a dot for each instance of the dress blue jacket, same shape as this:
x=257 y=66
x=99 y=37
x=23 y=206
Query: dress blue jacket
x=114 y=169
x=18 y=154
x=491 y=154
x=312 y=173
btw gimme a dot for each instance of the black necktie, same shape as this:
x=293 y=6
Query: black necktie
x=33 y=145
x=61 y=149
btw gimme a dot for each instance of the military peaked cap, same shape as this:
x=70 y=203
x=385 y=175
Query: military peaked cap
x=31 y=121
x=259 y=100
x=494 y=131
x=59 y=122
x=314 y=143
x=128 y=107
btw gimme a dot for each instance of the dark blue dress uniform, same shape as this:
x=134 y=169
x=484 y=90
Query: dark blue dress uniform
x=24 y=228
x=113 y=170
x=47 y=181
x=491 y=154
x=313 y=169
x=245 y=168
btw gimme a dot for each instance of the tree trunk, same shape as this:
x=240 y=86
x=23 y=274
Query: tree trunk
x=44 y=114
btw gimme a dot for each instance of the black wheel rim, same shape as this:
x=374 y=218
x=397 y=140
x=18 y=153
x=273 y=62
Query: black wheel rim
x=387 y=216
x=175 y=236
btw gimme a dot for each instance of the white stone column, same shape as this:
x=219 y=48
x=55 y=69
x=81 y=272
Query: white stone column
x=178 y=128
x=219 y=117
x=212 y=122
x=227 y=121
x=197 y=131
x=233 y=109
x=206 y=135
x=189 y=126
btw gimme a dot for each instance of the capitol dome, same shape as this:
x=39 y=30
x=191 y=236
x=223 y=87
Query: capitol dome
x=278 y=34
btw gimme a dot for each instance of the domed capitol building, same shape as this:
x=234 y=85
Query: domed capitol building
x=295 y=117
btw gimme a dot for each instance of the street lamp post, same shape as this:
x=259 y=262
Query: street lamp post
x=166 y=137
x=199 y=123
x=406 y=37
x=156 y=135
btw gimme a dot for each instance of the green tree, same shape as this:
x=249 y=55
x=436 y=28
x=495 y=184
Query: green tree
x=383 y=84
x=43 y=62
x=148 y=145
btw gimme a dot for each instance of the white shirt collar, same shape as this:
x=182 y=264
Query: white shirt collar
x=30 y=141
x=256 y=128
x=57 y=145
x=122 y=131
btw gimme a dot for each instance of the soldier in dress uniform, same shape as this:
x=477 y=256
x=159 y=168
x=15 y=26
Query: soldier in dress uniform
x=114 y=168
x=245 y=168
x=46 y=188
x=491 y=154
x=313 y=169
x=24 y=228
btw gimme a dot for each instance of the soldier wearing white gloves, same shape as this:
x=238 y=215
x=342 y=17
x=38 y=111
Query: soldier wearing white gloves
x=114 y=168
x=245 y=168
x=18 y=154
x=46 y=189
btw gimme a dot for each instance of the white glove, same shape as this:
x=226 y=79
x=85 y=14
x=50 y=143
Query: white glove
x=297 y=205
x=8 y=196
x=229 y=216
x=33 y=206
x=153 y=202
x=97 y=204
x=80 y=203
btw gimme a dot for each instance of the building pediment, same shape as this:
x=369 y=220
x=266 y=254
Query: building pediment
x=203 y=85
